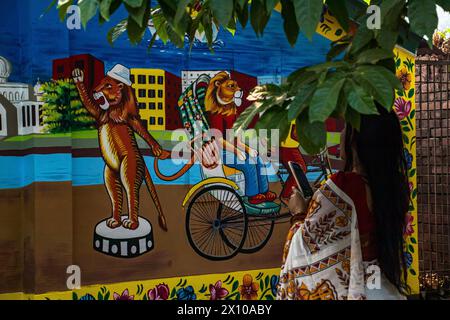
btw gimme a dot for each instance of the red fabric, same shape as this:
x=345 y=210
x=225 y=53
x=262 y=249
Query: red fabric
x=221 y=123
x=286 y=155
x=354 y=186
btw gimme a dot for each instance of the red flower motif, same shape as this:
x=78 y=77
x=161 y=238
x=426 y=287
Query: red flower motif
x=217 y=292
x=161 y=292
x=409 y=230
x=402 y=108
x=124 y=296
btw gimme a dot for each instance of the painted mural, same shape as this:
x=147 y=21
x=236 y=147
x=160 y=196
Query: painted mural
x=86 y=124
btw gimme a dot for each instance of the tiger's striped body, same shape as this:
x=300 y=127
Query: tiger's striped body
x=125 y=168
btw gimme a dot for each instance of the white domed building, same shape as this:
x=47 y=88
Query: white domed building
x=20 y=107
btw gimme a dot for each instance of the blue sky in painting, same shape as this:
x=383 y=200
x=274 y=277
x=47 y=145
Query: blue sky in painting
x=31 y=40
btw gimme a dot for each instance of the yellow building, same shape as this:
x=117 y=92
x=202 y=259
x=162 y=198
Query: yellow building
x=149 y=87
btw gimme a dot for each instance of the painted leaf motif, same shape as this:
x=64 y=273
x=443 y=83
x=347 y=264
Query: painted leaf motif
x=235 y=286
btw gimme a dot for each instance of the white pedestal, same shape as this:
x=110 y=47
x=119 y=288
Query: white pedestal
x=121 y=242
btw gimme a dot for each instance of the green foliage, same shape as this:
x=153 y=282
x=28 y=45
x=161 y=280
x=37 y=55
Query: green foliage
x=342 y=89
x=63 y=110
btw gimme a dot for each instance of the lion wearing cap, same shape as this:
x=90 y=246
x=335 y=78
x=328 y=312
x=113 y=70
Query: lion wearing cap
x=113 y=106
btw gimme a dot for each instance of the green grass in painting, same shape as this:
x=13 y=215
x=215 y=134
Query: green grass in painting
x=333 y=138
x=81 y=134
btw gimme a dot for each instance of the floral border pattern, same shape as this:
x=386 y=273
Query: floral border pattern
x=405 y=108
x=242 y=285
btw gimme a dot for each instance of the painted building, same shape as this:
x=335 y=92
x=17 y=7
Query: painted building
x=8 y=118
x=274 y=79
x=20 y=109
x=157 y=93
x=189 y=76
x=93 y=68
x=172 y=90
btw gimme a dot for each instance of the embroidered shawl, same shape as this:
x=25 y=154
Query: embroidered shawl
x=322 y=257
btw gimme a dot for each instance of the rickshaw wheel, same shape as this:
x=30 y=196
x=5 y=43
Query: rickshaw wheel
x=259 y=231
x=215 y=215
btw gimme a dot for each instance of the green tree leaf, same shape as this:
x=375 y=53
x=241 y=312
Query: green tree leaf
x=104 y=8
x=88 y=9
x=258 y=16
x=138 y=14
x=325 y=98
x=300 y=101
x=353 y=118
x=270 y=4
x=362 y=38
x=358 y=99
x=337 y=50
x=181 y=10
x=312 y=136
x=135 y=31
x=308 y=14
x=222 y=10
x=242 y=13
x=275 y=118
x=290 y=25
x=247 y=116
x=387 y=39
x=372 y=56
x=338 y=9
x=423 y=17
x=134 y=3
x=242 y=3
x=116 y=31
x=376 y=84
x=444 y=4
x=62 y=6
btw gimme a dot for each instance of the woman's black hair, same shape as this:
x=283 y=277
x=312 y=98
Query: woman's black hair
x=380 y=152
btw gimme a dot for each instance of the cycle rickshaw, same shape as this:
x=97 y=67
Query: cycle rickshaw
x=221 y=223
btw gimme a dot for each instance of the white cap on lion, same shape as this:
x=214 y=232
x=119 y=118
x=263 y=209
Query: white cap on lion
x=120 y=73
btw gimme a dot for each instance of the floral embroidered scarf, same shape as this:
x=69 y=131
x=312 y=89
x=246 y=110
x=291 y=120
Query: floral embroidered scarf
x=322 y=257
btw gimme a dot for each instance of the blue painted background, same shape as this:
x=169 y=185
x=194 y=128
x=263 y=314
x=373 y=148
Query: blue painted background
x=31 y=39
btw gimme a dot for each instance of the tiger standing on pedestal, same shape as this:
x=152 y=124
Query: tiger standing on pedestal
x=113 y=106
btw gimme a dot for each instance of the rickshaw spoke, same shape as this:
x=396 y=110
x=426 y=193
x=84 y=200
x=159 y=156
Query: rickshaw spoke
x=208 y=233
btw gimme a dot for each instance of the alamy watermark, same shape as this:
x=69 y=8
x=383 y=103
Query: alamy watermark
x=374 y=19
x=74 y=280
x=73 y=21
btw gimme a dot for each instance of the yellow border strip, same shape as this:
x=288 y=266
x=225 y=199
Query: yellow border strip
x=139 y=289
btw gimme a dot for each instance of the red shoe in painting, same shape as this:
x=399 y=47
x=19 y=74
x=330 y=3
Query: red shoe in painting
x=270 y=196
x=257 y=199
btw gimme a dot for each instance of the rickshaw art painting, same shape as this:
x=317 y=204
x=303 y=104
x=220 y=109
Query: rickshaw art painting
x=209 y=224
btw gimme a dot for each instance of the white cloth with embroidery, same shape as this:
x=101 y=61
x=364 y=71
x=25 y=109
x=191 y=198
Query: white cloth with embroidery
x=322 y=257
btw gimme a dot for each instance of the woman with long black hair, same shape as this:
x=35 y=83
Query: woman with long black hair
x=347 y=241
